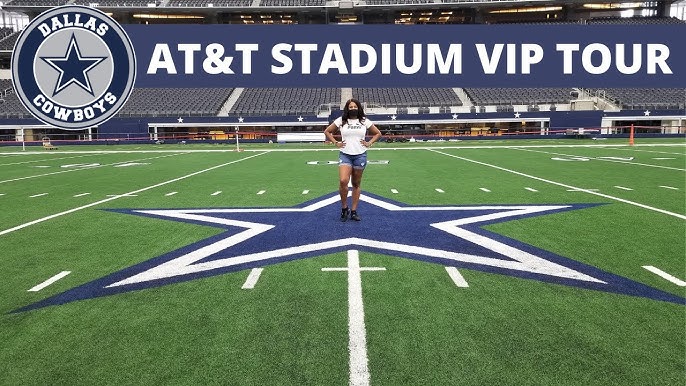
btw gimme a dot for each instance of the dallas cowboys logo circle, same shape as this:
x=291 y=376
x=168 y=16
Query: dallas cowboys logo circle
x=73 y=67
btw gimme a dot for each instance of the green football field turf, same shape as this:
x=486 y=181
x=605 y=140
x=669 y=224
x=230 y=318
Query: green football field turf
x=65 y=210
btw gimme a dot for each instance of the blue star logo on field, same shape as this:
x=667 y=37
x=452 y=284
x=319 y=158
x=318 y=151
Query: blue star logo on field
x=446 y=235
x=73 y=67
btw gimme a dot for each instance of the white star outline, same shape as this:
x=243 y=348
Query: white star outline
x=73 y=45
x=519 y=260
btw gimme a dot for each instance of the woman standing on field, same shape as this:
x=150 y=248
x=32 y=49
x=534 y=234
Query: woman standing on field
x=353 y=126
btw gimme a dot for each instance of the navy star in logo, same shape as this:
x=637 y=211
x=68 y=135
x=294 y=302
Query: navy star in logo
x=447 y=235
x=73 y=68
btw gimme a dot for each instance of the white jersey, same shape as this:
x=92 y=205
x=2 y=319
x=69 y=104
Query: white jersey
x=352 y=133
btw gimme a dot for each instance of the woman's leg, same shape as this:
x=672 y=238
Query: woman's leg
x=357 y=181
x=344 y=172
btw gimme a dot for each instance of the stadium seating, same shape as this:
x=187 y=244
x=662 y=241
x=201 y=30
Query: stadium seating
x=5 y=31
x=10 y=106
x=644 y=98
x=518 y=96
x=175 y=101
x=634 y=20
x=37 y=3
x=285 y=101
x=292 y=3
x=206 y=3
x=122 y=3
x=389 y=2
x=407 y=97
x=7 y=42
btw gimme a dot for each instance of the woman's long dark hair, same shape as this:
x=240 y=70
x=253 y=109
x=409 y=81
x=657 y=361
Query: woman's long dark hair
x=360 y=111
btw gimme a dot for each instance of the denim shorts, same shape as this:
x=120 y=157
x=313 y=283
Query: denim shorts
x=358 y=161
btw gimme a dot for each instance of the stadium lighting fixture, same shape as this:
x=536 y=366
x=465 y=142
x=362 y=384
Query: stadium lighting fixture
x=523 y=10
x=156 y=16
x=613 y=5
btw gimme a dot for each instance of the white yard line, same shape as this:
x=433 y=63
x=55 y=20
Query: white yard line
x=39 y=195
x=47 y=160
x=84 y=168
x=305 y=191
x=394 y=191
x=457 y=277
x=170 y=194
x=632 y=148
x=677 y=215
x=216 y=193
x=40 y=220
x=665 y=275
x=531 y=189
x=81 y=195
x=49 y=281
x=622 y=187
x=440 y=190
x=357 y=339
x=252 y=279
x=484 y=190
x=600 y=159
x=669 y=187
x=261 y=192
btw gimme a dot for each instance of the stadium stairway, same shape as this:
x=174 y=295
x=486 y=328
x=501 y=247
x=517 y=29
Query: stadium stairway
x=230 y=101
x=463 y=97
x=346 y=94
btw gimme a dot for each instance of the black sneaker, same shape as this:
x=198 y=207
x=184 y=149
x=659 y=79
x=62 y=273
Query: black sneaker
x=354 y=216
x=345 y=212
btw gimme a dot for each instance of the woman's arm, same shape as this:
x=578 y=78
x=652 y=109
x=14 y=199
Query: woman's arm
x=376 y=135
x=329 y=135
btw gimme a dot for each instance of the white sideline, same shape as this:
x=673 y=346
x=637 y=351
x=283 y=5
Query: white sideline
x=40 y=220
x=681 y=216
